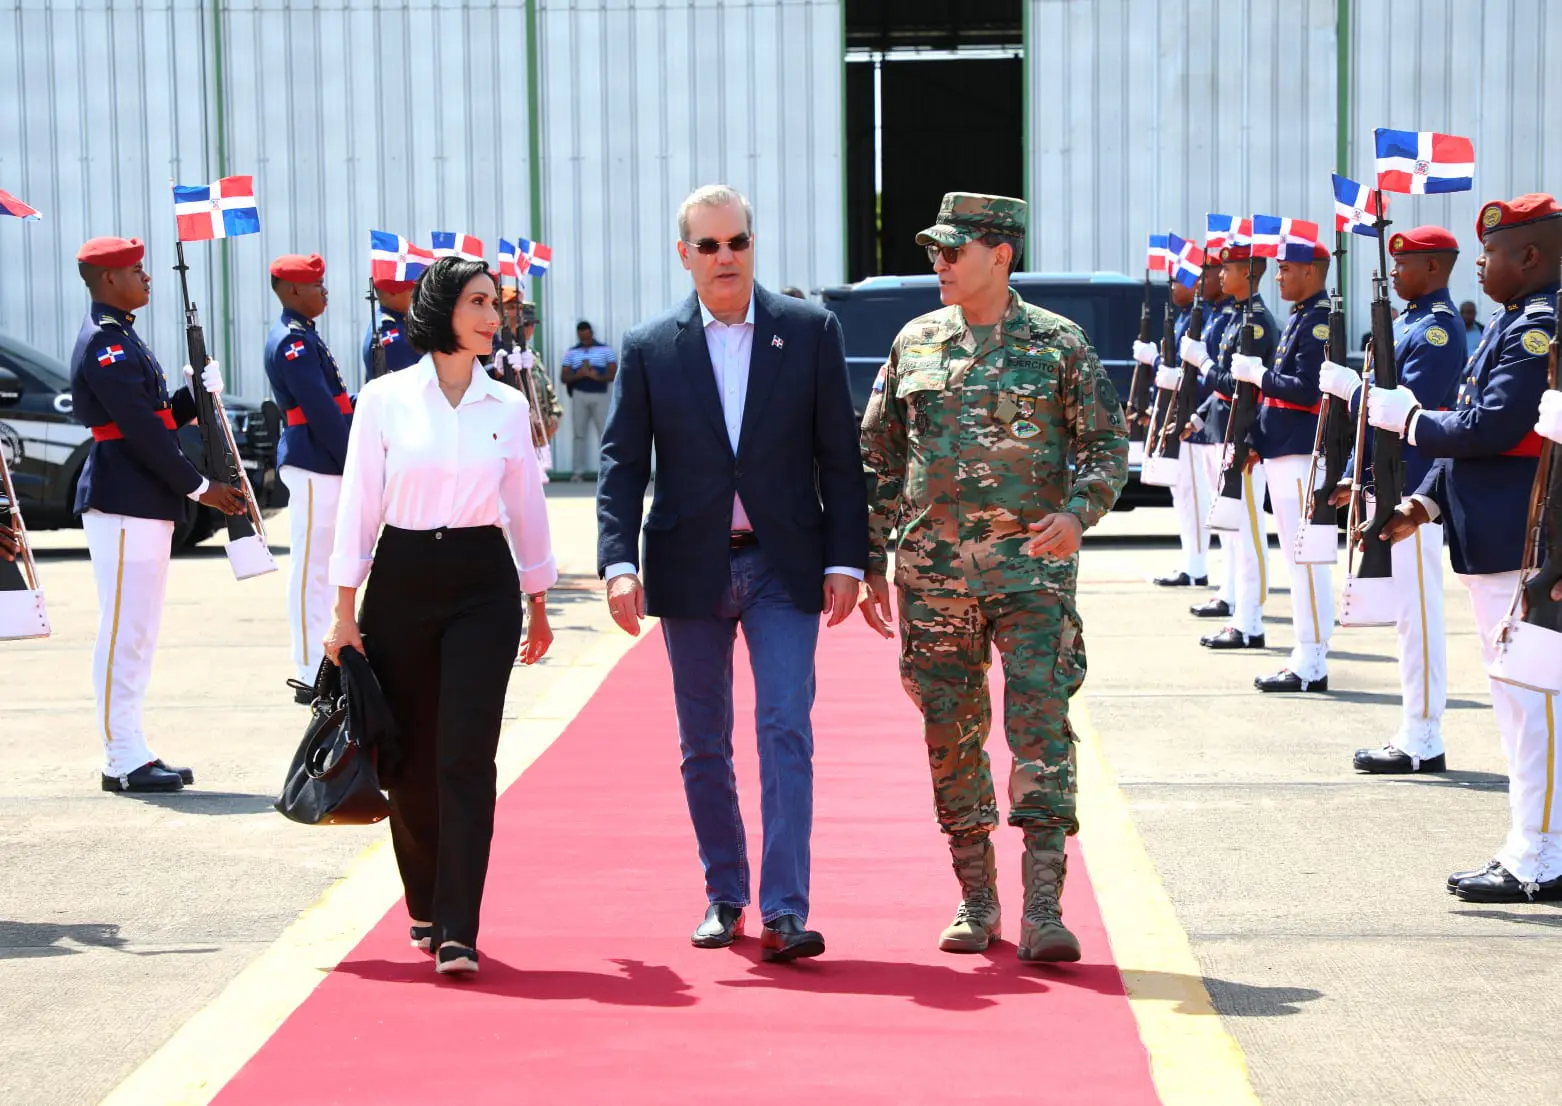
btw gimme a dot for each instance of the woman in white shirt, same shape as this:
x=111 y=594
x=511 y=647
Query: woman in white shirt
x=440 y=456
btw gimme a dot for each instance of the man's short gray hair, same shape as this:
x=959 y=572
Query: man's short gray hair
x=713 y=195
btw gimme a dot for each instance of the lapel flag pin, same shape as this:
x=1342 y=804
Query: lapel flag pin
x=777 y=342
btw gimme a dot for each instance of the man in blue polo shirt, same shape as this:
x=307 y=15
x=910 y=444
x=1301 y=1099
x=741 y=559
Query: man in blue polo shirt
x=588 y=369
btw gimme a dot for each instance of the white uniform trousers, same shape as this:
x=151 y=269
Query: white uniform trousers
x=1526 y=723
x=312 y=498
x=1190 y=499
x=1205 y=461
x=1423 y=653
x=130 y=565
x=1312 y=586
x=1248 y=562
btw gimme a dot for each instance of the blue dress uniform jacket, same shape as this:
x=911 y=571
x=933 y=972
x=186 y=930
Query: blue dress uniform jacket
x=1179 y=328
x=1216 y=408
x=1217 y=317
x=1287 y=423
x=309 y=389
x=1486 y=448
x=135 y=466
x=393 y=337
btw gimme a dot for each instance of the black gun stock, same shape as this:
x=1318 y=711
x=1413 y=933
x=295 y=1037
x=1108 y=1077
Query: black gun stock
x=1139 y=386
x=376 y=339
x=1544 y=538
x=1188 y=387
x=1244 y=406
x=1388 y=448
x=1336 y=435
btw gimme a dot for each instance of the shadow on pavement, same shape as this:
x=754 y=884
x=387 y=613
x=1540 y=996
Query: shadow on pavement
x=1234 y=1000
x=1395 y=698
x=1468 y=781
x=194 y=801
x=636 y=984
x=1551 y=919
x=32 y=940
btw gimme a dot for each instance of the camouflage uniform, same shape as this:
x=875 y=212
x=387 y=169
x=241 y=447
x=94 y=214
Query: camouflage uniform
x=965 y=445
x=548 y=404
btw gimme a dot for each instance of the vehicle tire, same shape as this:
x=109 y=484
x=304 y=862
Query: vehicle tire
x=195 y=527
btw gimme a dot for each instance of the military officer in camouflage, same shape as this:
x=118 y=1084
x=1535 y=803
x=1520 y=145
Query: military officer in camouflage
x=966 y=443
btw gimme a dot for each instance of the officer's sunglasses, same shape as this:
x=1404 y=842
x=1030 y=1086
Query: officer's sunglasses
x=950 y=254
x=707 y=246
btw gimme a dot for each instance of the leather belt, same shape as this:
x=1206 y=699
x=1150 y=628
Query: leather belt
x=296 y=416
x=110 y=432
x=742 y=539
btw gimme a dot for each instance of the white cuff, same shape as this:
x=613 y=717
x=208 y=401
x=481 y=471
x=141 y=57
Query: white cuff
x=195 y=496
x=854 y=573
x=1432 y=512
x=619 y=568
x=539 y=577
x=1410 y=429
x=347 y=572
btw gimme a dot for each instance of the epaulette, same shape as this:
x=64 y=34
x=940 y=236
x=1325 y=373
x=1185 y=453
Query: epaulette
x=1539 y=305
x=1445 y=308
x=109 y=320
x=294 y=324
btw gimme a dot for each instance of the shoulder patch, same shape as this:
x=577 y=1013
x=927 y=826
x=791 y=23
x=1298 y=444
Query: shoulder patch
x=1537 y=342
x=1321 y=332
x=1437 y=335
x=1258 y=331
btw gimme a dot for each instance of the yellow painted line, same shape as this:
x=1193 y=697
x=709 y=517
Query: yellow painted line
x=210 y=1049
x=1193 y=1059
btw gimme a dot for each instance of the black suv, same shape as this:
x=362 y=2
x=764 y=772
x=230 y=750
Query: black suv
x=46 y=447
x=1105 y=305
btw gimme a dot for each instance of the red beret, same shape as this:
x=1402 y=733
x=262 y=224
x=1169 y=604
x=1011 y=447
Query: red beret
x=1235 y=253
x=1529 y=208
x=298 y=268
x=393 y=287
x=1423 y=240
x=1320 y=252
x=111 y=253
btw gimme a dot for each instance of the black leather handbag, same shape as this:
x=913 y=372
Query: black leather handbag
x=334 y=778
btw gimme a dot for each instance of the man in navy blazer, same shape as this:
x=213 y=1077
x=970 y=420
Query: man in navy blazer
x=759 y=519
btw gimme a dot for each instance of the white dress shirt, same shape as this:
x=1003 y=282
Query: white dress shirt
x=417 y=463
x=731 y=349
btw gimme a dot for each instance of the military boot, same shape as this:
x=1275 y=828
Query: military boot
x=1042 y=934
x=976 y=923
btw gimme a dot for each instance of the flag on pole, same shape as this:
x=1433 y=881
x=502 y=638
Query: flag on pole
x=538 y=256
x=1355 y=207
x=1157 y=259
x=507 y=259
x=1424 y=162
x=1187 y=260
x=222 y=209
x=449 y=244
x=1225 y=230
x=10 y=205
x=1283 y=238
x=392 y=257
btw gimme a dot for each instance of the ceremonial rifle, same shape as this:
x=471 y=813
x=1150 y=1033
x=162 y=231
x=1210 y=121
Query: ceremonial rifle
x=247 y=552
x=376 y=339
x=1173 y=406
x=1331 y=443
x=1138 y=387
x=1226 y=512
x=22 y=611
x=1187 y=393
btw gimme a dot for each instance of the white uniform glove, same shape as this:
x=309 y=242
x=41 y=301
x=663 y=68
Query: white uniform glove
x=520 y=360
x=1338 y=380
x=1248 y=369
x=1550 y=424
x=1193 y=352
x=1144 y=352
x=1168 y=376
x=1390 y=408
x=211 y=377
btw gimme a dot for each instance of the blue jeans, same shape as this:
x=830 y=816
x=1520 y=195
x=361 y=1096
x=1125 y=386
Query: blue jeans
x=781 y=641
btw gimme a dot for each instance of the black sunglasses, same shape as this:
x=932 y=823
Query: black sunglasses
x=950 y=254
x=737 y=243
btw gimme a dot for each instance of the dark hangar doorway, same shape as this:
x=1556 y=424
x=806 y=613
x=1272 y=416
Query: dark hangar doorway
x=934 y=103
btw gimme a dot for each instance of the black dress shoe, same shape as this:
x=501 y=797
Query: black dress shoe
x=1456 y=878
x=1232 y=638
x=1182 y=580
x=1215 y=608
x=1286 y=680
x=184 y=774
x=723 y=924
x=149 y=777
x=785 y=939
x=1500 y=885
x=1389 y=761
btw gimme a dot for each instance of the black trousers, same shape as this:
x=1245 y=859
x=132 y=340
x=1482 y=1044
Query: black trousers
x=441 y=624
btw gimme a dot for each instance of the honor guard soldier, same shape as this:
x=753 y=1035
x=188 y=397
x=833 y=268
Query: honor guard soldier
x=967 y=440
x=395 y=297
x=318 y=411
x=1429 y=354
x=1282 y=436
x=1248 y=562
x=1202 y=450
x=1484 y=455
x=133 y=489
x=521 y=317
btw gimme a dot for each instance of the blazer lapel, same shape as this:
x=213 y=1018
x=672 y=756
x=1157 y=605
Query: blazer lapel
x=764 y=366
x=694 y=357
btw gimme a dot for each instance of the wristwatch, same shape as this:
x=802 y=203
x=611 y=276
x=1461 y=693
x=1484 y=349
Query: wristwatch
x=540 y=598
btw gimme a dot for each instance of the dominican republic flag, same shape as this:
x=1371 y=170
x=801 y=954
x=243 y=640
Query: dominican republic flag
x=1424 y=161
x=507 y=266
x=111 y=354
x=1157 y=259
x=10 y=205
x=1286 y=239
x=294 y=351
x=1355 y=207
x=392 y=257
x=538 y=257
x=449 y=244
x=1225 y=230
x=222 y=209
x=1187 y=260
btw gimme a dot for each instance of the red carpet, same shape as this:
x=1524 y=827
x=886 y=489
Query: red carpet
x=590 y=992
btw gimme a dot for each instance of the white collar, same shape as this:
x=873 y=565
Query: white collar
x=707 y=318
x=482 y=387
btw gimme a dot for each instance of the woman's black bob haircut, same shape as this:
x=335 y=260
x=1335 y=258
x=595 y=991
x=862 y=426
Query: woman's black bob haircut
x=434 y=300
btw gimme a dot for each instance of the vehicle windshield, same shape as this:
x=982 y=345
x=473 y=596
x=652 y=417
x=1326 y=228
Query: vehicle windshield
x=35 y=363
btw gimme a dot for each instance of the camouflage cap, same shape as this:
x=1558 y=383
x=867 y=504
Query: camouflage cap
x=528 y=312
x=965 y=215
